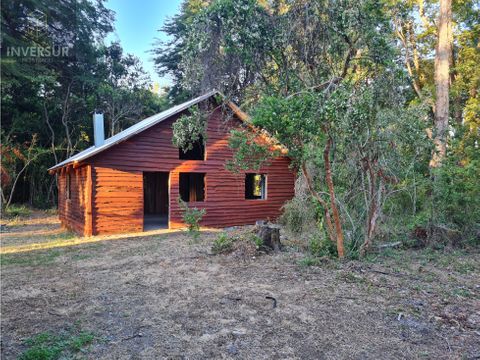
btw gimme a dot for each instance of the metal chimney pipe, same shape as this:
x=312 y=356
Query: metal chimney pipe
x=98 y=130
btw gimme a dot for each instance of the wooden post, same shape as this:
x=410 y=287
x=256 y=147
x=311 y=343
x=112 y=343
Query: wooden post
x=88 y=229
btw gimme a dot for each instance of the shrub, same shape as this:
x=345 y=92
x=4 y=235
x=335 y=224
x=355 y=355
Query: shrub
x=299 y=216
x=257 y=241
x=17 y=211
x=309 y=261
x=222 y=244
x=192 y=217
x=322 y=246
x=456 y=199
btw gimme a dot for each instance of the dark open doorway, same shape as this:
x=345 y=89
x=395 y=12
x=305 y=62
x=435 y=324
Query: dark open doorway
x=155 y=200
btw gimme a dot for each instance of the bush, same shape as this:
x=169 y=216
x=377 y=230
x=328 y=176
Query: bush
x=17 y=211
x=257 y=241
x=299 y=216
x=320 y=246
x=222 y=244
x=457 y=198
x=192 y=217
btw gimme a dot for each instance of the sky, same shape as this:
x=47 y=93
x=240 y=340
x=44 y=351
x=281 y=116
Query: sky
x=136 y=26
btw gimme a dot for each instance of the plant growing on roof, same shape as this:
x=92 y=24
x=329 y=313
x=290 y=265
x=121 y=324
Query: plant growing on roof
x=250 y=154
x=189 y=129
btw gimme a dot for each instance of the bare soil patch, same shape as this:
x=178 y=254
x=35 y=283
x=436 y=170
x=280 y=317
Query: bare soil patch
x=161 y=296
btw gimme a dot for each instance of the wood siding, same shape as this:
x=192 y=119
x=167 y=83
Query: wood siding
x=72 y=212
x=117 y=200
x=117 y=175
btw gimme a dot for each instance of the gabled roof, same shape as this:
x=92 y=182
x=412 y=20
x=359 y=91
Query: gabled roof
x=157 y=118
x=138 y=128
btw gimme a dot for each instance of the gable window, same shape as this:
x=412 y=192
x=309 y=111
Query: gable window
x=68 y=187
x=196 y=153
x=255 y=186
x=192 y=187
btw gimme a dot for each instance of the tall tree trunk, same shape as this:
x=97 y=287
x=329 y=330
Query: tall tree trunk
x=442 y=81
x=65 y=120
x=336 y=215
x=17 y=177
x=316 y=195
x=374 y=208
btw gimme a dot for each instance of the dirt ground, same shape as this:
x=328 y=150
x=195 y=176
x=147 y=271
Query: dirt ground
x=162 y=296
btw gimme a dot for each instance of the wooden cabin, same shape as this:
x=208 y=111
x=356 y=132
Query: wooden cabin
x=131 y=182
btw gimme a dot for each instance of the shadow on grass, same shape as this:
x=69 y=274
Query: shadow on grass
x=73 y=247
x=23 y=230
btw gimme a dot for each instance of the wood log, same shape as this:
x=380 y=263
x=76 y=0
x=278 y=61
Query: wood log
x=270 y=235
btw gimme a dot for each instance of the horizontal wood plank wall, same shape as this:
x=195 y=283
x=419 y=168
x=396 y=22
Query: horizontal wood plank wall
x=118 y=193
x=72 y=211
x=117 y=200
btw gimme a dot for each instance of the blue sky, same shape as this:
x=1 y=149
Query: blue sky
x=136 y=26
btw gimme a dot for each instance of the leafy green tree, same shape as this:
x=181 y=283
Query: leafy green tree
x=167 y=55
x=124 y=87
x=49 y=94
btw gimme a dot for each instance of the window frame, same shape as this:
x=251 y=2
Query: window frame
x=264 y=189
x=204 y=174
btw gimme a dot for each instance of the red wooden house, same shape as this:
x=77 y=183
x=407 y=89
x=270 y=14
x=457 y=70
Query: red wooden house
x=131 y=181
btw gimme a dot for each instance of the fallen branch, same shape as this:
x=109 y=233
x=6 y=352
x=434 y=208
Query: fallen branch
x=389 y=245
x=273 y=299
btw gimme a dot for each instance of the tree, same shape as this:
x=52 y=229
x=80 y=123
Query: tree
x=52 y=96
x=16 y=158
x=442 y=81
x=320 y=80
x=120 y=94
x=167 y=55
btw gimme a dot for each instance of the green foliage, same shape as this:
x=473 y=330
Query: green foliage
x=192 y=217
x=310 y=72
x=457 y=193
x=377 y=144
x=292 y=121
x=167 y=54
x=222 y=244
x=224 y=38
x=124 y=92
x=320 y=246
x=335 y=80
x=51 y=99
x=310 y=261
x=249 y=153
x=189 y=129
x=256 y=240
x=49 y=346
x=299 y=215
x=14 y=210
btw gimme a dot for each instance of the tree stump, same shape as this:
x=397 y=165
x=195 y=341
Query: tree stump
x=270 y=235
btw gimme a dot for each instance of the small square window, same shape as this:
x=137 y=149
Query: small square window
x=192 y=187
x=255 y=186
x=196 y=153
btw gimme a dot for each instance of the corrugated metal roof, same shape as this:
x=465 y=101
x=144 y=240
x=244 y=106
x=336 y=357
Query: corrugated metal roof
x=133 y=130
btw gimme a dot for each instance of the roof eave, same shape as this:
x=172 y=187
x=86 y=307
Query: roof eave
x=95 y=151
